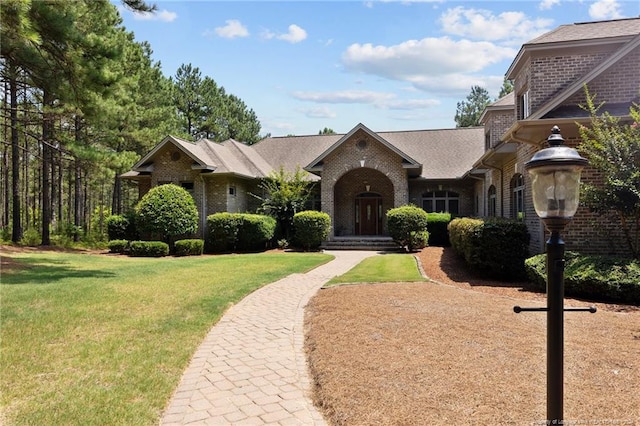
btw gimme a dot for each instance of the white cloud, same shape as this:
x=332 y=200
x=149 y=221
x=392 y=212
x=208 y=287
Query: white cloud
x=162 y=15
x=343 y=97
x=512 y=27
x=605 y=9
x=548 y=4
x=415 y=60
x=377 y=99
x=320 y=112
x=233 y=29
x=295 y=34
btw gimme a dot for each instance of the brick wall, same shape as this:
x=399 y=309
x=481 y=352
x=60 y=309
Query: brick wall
x=620 y=83
x=382 y=167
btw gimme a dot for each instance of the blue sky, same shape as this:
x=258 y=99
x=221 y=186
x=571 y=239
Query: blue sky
x=391 y=65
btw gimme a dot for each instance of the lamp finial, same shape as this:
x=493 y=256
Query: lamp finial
x=555 y=138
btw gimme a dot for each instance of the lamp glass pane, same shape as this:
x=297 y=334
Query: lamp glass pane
x=555 y=190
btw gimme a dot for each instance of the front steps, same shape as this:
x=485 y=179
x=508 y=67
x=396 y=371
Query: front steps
x=361 y=242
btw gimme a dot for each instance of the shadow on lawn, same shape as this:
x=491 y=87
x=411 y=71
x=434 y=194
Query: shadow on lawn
x=35 y=270
x=459 y=271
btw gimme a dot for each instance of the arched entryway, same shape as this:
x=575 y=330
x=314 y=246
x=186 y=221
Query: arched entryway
x=368 y=214
x=362 y=197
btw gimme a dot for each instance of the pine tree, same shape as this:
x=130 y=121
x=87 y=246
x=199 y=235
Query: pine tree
x=468 y=112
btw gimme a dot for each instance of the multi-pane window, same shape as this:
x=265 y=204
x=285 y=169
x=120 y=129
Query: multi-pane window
x=492 y=201
x=441 y=201
x=517 y=200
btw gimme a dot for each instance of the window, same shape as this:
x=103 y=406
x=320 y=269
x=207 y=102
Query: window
x=524 y=107
x=232 y=191
x=517 y=200
x=441 y=201
x=487 y=140
x=492 y=201
x=188 y=186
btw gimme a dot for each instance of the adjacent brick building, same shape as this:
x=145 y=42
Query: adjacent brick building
x=466 y=171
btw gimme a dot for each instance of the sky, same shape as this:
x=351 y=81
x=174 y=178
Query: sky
x=302 y=66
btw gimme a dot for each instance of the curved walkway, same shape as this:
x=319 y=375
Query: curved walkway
x=251 y=368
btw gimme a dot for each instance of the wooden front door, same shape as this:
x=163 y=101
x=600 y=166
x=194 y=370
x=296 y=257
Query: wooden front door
x=368 y=218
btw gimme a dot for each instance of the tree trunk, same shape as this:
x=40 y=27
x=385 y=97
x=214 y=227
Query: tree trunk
x=16 y=234
x=47 y=139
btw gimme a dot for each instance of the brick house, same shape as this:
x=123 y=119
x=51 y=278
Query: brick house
x=476 y=171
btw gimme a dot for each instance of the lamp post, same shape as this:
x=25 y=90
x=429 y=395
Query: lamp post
x=555 y=184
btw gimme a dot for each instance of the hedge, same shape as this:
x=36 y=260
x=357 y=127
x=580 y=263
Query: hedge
x=190 y=247
x=118 y=246
x=122 y=227
x=437 y=224
x=148 y=249
x=496 y=247
x=228 y=232
x=311 y=229
x=407 y=226
x=593 y=277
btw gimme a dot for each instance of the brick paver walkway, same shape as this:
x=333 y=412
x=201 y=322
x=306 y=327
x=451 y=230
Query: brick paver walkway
x=251 y=368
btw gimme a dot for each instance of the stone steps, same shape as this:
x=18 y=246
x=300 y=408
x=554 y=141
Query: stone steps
x=375 y=243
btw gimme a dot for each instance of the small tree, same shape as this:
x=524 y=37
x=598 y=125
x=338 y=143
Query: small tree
x=285 y=195
x=613 y=148
x=167 y=212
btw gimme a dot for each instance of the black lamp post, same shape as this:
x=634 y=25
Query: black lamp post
x=555 y=184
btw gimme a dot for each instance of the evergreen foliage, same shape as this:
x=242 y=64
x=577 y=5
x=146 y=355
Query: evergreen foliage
x=167 y=212
x=311 y=229
x=407 y=226
x=468 y=111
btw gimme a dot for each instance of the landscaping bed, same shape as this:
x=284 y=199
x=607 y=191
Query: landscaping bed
x=454 y=352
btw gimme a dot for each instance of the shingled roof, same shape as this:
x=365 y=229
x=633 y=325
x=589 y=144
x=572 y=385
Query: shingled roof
x=584 y=31
x=443 y=154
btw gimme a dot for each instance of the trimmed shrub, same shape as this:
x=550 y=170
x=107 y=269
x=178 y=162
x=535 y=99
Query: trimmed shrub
x=603 y=278
x=167 y=212
x=255 y=232
x=407 y=226
x=117 y=227
x=222 y=235
x=311 y=228
x=437 y=226
x=228 y=232
x=148 y=249
x=496 y=248
x=118 y=246
x=190 y=247
x=122 y=227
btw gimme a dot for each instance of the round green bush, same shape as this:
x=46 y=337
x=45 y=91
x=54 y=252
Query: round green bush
x=407 y=226
x=311 y=228
x=118 y=246
x=189 y=247
x=167 y=212
x=148 y=249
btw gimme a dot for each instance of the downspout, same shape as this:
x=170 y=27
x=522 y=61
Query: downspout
x=501 y=185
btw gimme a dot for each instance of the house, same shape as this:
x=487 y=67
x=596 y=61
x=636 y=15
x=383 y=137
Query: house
x=475 y=171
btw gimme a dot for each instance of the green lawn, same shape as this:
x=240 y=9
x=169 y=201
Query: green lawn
x=380 y=269
x=97 y=339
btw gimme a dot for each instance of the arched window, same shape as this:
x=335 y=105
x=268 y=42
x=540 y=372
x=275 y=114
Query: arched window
x=441 y=201
x=492 y=201
x=517 y=199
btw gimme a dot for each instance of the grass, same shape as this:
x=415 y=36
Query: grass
x=96 y=339
x=381 y=269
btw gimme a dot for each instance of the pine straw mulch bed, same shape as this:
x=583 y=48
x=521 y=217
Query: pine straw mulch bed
x=452 y=352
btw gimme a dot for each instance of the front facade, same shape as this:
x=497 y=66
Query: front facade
x=466 y=171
